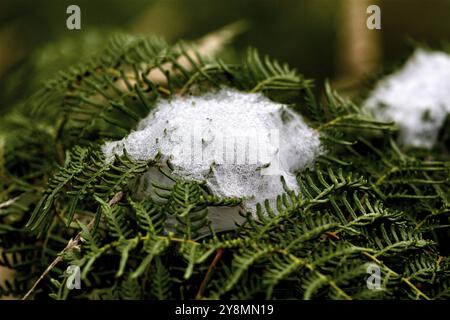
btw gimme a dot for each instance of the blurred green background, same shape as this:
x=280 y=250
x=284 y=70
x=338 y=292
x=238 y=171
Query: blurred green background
x=321 y=38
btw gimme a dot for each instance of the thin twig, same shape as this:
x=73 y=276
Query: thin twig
x=8 y=202
x=73 y=243
x=208 y=273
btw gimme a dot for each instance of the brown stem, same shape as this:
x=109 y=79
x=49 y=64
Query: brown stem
x=208 y=273
x=73 y=243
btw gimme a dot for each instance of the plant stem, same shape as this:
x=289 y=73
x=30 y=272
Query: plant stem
x=73 y=243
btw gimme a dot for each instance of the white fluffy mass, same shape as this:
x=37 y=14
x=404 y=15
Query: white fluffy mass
x=239 y=143
x=417 y=98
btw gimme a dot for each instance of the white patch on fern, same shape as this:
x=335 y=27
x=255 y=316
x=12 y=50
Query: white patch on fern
x=220 y=113
x=417 y=98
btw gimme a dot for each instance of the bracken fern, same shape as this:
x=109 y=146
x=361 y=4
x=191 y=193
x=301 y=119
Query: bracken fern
x=365 y=201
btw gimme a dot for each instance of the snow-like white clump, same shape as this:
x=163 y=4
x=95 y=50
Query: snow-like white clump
x=417 y=98
x=239 y=143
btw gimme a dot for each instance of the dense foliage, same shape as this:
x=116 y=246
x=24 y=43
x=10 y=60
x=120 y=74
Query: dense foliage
x=367 y=200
